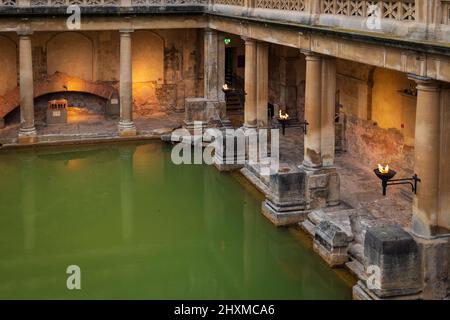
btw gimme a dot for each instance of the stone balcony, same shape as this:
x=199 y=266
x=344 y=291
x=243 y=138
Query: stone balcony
x=411 y=20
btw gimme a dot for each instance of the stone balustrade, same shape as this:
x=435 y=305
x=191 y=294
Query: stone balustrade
x=408 y=19
x=93 y=3
x=404 y=10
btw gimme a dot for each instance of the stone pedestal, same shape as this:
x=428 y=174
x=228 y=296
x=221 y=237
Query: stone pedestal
x=435 y=256
x=205 y=112
x=393 y=255
x=230 y=155
x=322 y=187
x=285 y=203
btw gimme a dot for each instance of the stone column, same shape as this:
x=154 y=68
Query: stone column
x=327 y=137
x=250 y=84
x=313 y=99
x=220 y=66
x=210 y=68
x=126 y=125
x=27 y=131
x=262 y=85
x=427 y=157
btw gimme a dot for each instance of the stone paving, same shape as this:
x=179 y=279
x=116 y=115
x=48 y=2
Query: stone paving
x=360 y=188
x=95 y=126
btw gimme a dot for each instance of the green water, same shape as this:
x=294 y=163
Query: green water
x=140 y=227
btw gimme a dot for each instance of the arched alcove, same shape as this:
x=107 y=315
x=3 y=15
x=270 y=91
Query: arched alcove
x=8 y=65
x=70 y=53
x=147 y=57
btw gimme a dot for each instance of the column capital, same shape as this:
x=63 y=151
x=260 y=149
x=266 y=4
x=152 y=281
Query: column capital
x=209 y=30
x=248 y=39
x=425 y=83
x=24 y=33
x=311 y=56
x=263 y=43
x=125 y=32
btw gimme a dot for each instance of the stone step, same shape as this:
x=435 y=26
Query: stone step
x=253 y=179
x=357 y=269
x=309 y=227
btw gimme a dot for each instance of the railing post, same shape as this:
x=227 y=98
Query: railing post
x=313 y=8
x=23 y=3
x=429 y=11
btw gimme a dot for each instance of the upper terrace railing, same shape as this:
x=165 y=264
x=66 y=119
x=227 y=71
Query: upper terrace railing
x=403 y=18
x=398 y=10
x=93 y=3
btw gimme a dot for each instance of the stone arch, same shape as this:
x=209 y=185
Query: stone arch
x=147 y=57
x=71 y=53
x=8 y=64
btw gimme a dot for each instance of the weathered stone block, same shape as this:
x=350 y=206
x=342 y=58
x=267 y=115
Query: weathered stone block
x=230 y=152
x=322 y=187
x=435 y=254
x=204 y=111
x=285 y=203
x=395 y=254
x=331 y=243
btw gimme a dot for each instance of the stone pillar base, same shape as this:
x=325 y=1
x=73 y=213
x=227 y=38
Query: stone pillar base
x=322 y=187
x=283 y=216
x=223 y=166
x=127 y=129
x=27 y=136
x=435 y=257
x=197 y=125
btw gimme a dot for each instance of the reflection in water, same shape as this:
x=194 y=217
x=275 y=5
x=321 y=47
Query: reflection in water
x=126 y=190
x=28 y=200
x=141 y=227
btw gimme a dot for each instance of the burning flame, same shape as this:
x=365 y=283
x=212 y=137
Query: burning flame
x=383 y=169
x=226 y=87
x=283 y=115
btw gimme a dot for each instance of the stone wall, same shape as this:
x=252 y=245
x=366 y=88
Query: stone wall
x=287 y=69
x=380 y=120
x=166 y=63
x=373 y=145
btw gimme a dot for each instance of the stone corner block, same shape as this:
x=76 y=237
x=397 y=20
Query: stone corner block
x=395 y=252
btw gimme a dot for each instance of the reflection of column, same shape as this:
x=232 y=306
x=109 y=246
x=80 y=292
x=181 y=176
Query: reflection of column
x=427 y=151
x=210 y=68
x=262 y=85
x=126 y=125
x=250 y=83
x=126 y=190
x=27 y=131
x=28 y=200
x=313 y=92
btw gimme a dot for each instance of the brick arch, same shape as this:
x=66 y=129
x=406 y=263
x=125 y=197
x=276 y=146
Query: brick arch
x=55 y=83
